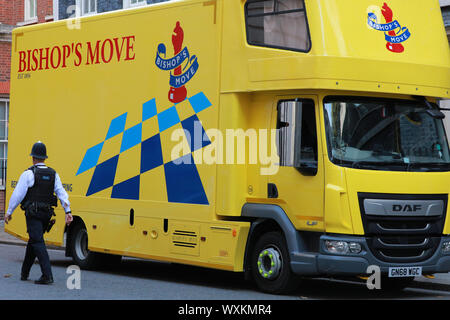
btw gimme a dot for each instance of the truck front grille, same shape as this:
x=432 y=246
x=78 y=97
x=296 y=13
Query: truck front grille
x=404 y=235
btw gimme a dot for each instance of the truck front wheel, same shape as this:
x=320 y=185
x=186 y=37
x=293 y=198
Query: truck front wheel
x=270 y=264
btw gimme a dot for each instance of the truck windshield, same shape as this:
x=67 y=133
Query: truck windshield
x=382 y=134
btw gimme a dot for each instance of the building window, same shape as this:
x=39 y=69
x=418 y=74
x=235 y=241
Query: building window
x=30 y=10
x=134 y=3
x=137 y=2
x=87 y=7
x=4 y=112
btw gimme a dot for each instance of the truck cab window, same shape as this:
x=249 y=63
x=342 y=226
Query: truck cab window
x=278 y=24
x=384 y=134
x=297 y=135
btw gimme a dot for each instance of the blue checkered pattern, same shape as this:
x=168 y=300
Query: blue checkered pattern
x=183 y=181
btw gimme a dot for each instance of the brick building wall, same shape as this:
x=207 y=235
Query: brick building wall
x=5 y=61
x=11 y=11
x=44 y=10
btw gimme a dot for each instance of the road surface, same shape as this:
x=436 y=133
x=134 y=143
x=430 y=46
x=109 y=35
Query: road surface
x=136 y=279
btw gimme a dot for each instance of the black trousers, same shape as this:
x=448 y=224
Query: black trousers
x=36 y=248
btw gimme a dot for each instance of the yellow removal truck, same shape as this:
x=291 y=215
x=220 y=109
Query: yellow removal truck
x=280 y=138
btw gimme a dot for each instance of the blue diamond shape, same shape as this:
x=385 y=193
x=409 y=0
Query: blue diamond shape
x=151 y=153
x=128 y=189
x=195 y=134
x=149 y=110
x=90 y=158
x=131 y=137
x=183 y=182
x=104 y=175
x=199 y=102
x=117 y=126
x=168 y=118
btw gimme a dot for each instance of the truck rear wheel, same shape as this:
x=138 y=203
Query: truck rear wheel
x=270 y=264
x=79 y=248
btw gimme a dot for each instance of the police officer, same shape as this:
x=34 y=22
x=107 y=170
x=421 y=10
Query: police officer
x=35 y=193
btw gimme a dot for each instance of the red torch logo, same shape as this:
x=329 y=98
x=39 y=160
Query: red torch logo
x=176 y=95
x=388 y=16
x=394 y=33
x=182 y=65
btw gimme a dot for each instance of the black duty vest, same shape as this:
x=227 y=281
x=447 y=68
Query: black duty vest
x=42 y=192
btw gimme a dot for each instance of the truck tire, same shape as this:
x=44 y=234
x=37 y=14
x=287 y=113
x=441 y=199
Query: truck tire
x=81 y=256
x=270 y=265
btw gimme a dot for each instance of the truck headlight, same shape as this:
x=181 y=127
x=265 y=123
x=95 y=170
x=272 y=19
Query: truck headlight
x=337 y=247
x=342 y=247
x=354 y=247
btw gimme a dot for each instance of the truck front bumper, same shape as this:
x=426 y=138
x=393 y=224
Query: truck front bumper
x=325 y=263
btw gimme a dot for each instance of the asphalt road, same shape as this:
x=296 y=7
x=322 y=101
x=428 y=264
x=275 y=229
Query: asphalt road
x=136 y=279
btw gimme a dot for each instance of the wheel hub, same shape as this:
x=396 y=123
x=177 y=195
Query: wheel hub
x=269 y=263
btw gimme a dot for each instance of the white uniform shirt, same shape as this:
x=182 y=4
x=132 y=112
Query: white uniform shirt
x=26 y=181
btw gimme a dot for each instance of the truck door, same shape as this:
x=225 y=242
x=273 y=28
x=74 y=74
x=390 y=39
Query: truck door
x=299 y=182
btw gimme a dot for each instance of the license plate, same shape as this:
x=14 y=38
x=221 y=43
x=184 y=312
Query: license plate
x=398 y=272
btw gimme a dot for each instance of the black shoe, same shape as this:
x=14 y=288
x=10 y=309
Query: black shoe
x=44 y=280
x=23 y=277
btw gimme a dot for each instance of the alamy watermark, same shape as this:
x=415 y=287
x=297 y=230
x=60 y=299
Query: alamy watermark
x=74 y=20
x=74 y=280
x=374 y=280
x=234 y=146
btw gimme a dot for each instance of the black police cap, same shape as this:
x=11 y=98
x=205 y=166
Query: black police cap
x=39 y=151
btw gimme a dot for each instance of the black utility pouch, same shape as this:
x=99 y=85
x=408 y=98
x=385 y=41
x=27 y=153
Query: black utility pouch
x=50 y=225
x=31 y=210
x=48 y=212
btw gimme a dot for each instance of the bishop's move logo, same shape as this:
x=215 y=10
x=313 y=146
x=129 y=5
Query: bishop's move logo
x=183 y=65
x=394 y=33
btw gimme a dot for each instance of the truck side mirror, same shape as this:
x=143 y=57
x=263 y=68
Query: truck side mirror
x=297 y=141
x=437 y=114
